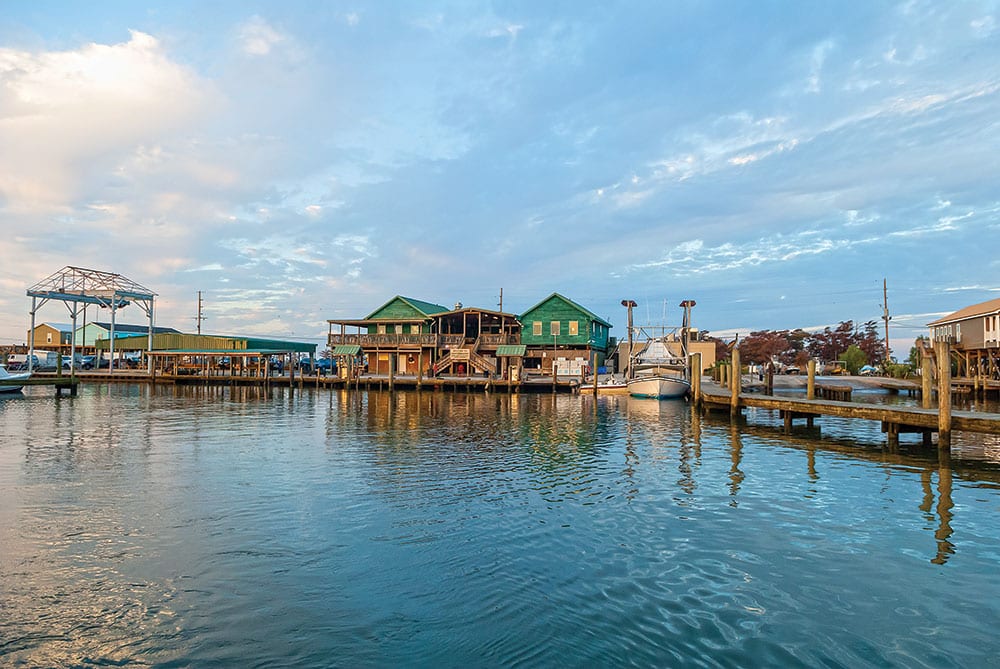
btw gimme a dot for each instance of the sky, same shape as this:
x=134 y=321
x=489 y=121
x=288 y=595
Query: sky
x=299 y=161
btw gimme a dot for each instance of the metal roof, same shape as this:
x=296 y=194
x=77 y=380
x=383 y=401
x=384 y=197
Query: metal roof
x=511 y=349
x=982 y=309
x=167 y=342
x=78 y=284
x=346 y=349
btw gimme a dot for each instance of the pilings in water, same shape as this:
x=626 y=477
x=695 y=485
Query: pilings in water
x=925 y=382
x=695 y=376
x=942 y=351
x=735 y=385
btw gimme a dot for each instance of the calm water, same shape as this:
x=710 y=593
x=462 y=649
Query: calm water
x=237 y=527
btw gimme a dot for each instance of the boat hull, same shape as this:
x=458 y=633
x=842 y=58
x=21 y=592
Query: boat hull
x=7 y=377
x=659 y=387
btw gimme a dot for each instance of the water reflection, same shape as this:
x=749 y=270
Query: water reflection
x=212 y=526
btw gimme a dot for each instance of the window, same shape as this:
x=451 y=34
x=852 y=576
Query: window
x=536 y=328
x=414 y=329
x=48 y=337
x=574 y=328
x=381 y=329
x=554 y=328
x=398 y=329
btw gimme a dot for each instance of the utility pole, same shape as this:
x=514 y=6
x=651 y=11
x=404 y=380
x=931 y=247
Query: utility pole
x=501 y=300
x=886 y=317
x=199 y=318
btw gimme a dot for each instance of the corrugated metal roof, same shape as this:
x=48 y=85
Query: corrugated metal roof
x=346 y=349
x=981 y=309
x=511 y=349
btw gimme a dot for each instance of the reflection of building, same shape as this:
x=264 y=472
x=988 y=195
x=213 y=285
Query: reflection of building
x=974 y=332
x=560 y=331
x=408 y=336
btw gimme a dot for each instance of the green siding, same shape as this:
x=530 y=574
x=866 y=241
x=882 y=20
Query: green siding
x=558 y=308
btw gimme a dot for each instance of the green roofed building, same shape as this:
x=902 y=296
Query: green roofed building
x=560 y=331
x=412 y=337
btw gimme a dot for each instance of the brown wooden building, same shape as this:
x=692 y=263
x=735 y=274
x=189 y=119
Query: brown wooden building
x=406 y=336
x=974 y=333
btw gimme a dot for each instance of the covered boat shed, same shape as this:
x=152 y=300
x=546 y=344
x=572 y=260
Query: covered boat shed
x=212 y=355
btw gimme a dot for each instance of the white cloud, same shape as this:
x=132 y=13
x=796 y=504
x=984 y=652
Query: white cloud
x=816 y=61
x=67 y=109
x=258 y=38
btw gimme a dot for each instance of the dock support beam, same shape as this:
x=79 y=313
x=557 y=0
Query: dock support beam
x=695 y=373
x=925 y=382
x=811 y=381
x=734 y=395
x=943 y=350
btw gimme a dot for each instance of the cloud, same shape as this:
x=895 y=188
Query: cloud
x=257 y=37
x=69 y=113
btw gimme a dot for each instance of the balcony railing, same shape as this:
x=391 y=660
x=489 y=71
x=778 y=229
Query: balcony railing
x=390 y=340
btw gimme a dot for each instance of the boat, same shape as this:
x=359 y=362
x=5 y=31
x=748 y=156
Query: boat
x=7 y=380
x=656 y=372
x=609 y=385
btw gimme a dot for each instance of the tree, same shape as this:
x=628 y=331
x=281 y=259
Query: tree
x=853 y=358
x=762 y=346
x=915 y=359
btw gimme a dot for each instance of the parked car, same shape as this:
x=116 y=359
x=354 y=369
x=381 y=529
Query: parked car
x=321 y=365
x=90 y=361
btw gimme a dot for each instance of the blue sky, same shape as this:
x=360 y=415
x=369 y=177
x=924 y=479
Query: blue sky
x=304 y=161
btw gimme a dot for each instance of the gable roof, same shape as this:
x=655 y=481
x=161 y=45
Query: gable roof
x=61 y=327
x=590 y=314
x=981 y=309
x=426 y=309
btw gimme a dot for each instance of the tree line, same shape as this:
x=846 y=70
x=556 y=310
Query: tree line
x=854 y=345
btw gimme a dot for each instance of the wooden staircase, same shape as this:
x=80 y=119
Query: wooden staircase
x=476 y=361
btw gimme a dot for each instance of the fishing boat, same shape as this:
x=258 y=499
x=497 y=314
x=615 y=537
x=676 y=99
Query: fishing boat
x=655 y=371
x=658 y=374
x=8 y=380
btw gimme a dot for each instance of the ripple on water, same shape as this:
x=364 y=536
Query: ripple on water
x=185 y=527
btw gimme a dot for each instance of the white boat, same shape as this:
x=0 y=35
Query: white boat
x=658 y=386
x=656 y=371
x=7 y=379
x=606 y=386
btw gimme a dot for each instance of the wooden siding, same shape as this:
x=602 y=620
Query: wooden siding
x=557 y=308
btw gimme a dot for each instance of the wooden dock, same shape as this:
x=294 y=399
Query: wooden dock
x=895 y=420
x=67 y=384
x=535 y=384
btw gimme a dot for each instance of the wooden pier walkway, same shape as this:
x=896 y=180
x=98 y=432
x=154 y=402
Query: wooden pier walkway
x=895 y=420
